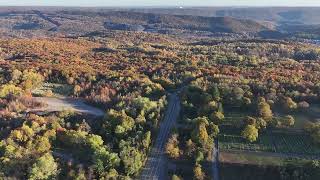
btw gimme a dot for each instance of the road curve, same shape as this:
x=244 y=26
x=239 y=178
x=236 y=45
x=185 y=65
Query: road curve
x=61 y=104
x=154 y=168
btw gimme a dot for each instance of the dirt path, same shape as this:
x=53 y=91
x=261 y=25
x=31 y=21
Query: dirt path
x=62 y=104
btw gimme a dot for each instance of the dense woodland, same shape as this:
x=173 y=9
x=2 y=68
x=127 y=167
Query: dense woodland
x=127 y=74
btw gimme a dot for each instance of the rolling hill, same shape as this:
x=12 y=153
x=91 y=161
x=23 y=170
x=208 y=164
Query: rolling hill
x=65 y=22
x=293 y=15
x=265 y=22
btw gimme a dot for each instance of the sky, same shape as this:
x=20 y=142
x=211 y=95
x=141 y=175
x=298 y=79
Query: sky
x=159 y=2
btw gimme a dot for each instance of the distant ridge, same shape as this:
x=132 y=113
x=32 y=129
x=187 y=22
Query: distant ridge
x=269 y=23
x=184 y=22
x=300 y=15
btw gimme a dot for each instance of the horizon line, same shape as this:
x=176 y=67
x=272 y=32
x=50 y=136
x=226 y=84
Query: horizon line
x=168 y=6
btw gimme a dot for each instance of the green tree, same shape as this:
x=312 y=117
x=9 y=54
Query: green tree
x=132 y=159
x=190 y=148
x=31 y=80
x=220 y=107
x=217 y=117
x=146 y=140
x=213 y=130
x=81 y=175
x=215 y=92
x=9 y=89
x=104 y=161
x=175 y=177
x=172 y=147
x=250 y=133
x=250 y=121
x=44 y=168
x=76 y=90
x=264 y=111
x=199 y=157
x=42 y=144
x=288 y=121
x=144 y=104
x=198 y=173
x=246 y=101
x=111 y=175
x=119 y=122
x=237 y=93
x=289 y=104
x=212 y=105
x=261 y=123
x=16 y=76
x=200 y=134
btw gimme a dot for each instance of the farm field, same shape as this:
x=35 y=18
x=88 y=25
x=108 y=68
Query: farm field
x=278 y=142
x=234 y=142
x=310 y=114
x=250 y=166
x=233 y=117
x=246 y=158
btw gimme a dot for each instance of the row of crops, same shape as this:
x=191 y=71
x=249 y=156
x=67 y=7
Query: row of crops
x=234 y=142
x=276 y=141
x=273 y=142
x=231 y=117
x=294 y=143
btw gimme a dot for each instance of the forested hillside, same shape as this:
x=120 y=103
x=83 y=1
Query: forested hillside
x=126 y=74
x=74 y=22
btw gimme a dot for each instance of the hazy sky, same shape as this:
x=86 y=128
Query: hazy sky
x=160 y=2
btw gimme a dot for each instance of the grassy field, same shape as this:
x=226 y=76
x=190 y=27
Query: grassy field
x=250 y=166
x=243 y=158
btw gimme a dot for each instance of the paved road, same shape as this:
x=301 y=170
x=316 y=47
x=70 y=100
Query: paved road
x=154 y=168
x=215 y=161
x=61 y=104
